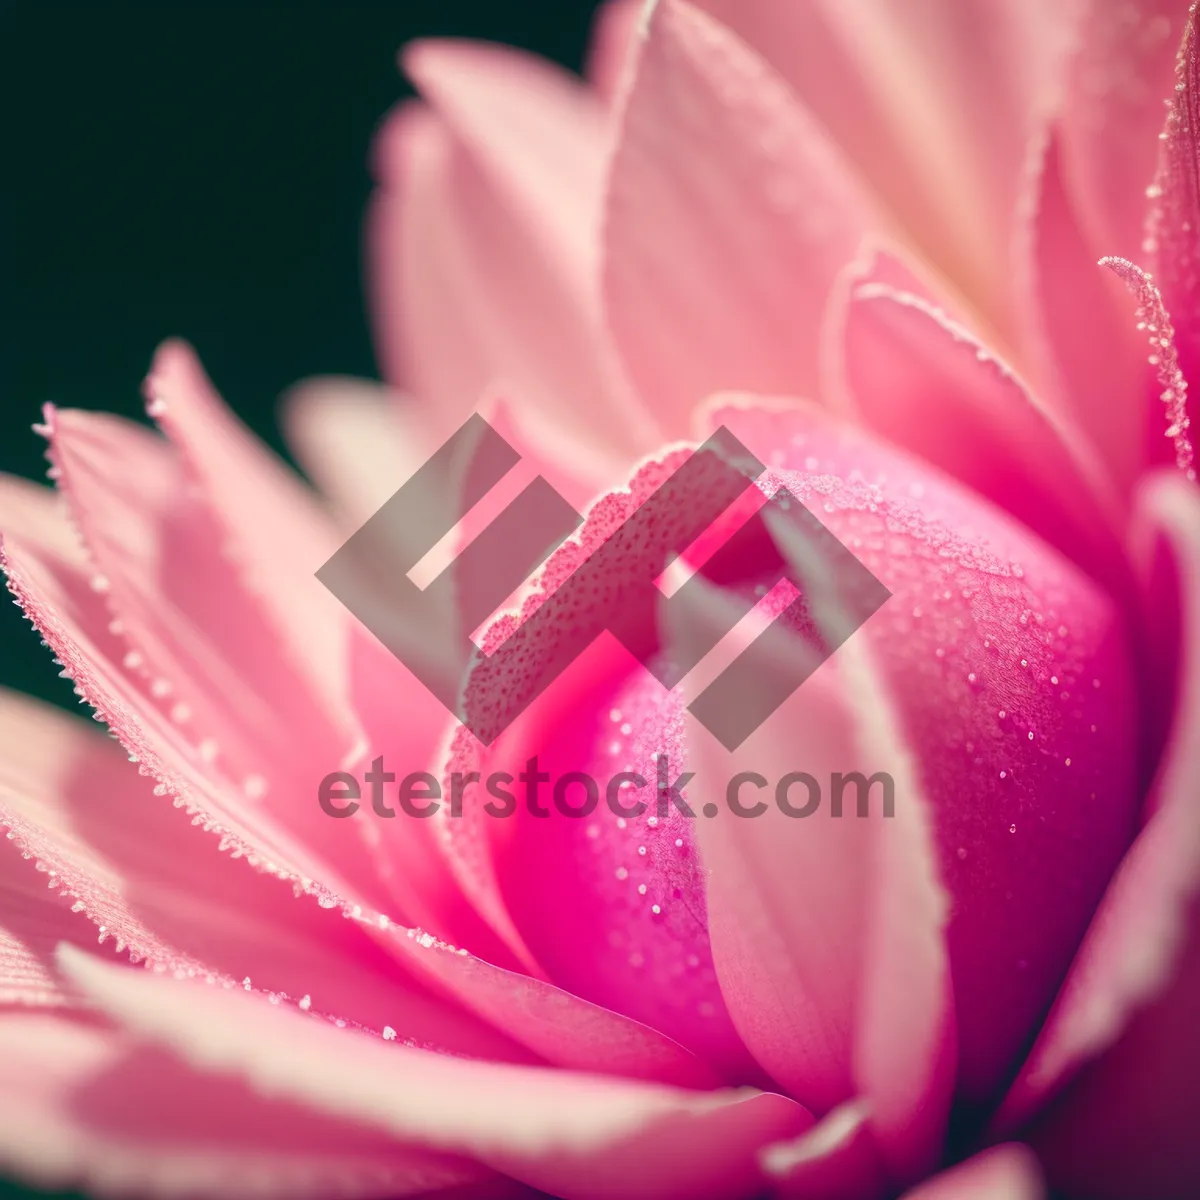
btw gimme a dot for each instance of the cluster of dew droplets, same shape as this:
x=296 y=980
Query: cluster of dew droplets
x=1152 y=317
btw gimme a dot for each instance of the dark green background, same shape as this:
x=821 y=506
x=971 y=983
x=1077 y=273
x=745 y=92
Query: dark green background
x=172 y=169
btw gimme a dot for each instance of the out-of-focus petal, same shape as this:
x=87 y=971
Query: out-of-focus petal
x=611 y=46
x=1014 y=691
x=1136 y=984
x=1173 y=222
x=358 y=441
x=1008 y=1172
x=85 y=1109
x=920 y=378
x=1119 y=75
x=935 y=103
x=569 y=1134
x=837 y=1159
x=1078 y=329
x=38 y=514
x=729 y=214
x=484 y=228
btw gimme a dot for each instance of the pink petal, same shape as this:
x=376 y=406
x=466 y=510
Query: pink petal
x=612 y=910
x=922 y=380
x=197 y=638
x=934 y=103
x=1007 y=1172
x=273 y=528
x=729 y=214
x=1136 y=983
x=829 y=941
x=835 y=1160
x=573 y=894
x=1135 y=940
x=37 y=514
x=986 y=630
x=551 y=1023
x=357 y=440
x=611 y=46
x=83 y=1109
x=157 y=888
x=1079 y=327
x=484 y=231
x=616 y=909
x=1173 y=216
x=537 y=133
x=1120 y=73
x=570 y=1134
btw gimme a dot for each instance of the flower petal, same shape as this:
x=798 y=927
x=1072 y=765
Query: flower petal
x=85 y=1109
x=987 y=629
x=935 y=103
x=611 y=46
x=1136 y=982
x=358 y=441
x=1173 y=217
x=274 y=529
x=570 y=1134
x=1121 y=71
x=198 y=639
x=485 y=227
x=922 y=380
x=157 y=887
x=38 y=514
x=829 y=941
x=729 y=214
x=1132 y=947
x=552 y=1023
x=835 y=1160
x=1079 y=329
x=1008 y=1172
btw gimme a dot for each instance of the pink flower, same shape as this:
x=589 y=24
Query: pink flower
x=865 y=239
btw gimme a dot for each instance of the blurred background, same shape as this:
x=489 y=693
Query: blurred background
x=200 y=171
